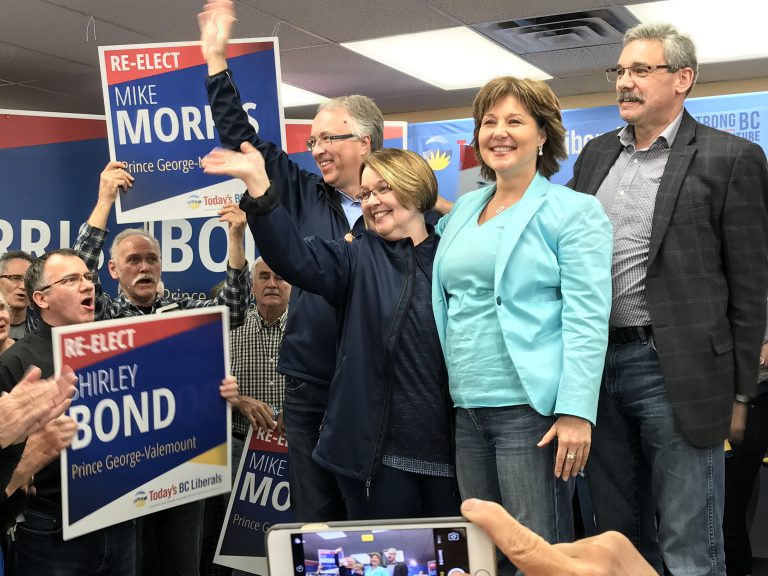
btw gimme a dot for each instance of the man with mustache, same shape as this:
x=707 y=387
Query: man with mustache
x=171 y=539
x=688 y=209
x=134 y=260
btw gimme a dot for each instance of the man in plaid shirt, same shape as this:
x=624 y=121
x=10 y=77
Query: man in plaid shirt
x=254 y=348
x=169 y=542
x=135 y=260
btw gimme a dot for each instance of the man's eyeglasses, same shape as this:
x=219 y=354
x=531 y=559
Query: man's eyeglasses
x=14 y=278
x=638 y=71
x=365 y=195
x=326 y=141
x=71 y=281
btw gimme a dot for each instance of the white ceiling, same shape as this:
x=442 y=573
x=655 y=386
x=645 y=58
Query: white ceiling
x=49 y=57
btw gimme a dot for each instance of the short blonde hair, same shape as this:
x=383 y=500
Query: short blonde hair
x=540 y=102
x=409 y=175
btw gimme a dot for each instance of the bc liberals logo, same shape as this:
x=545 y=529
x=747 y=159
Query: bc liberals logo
x=194 y=202
x=436 y=158
x=140 y=499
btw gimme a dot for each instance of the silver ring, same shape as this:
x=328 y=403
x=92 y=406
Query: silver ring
x=571 y=455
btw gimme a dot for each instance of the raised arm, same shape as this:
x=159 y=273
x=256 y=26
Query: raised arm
x=112 y=180
x=312 y=264
x=216 y=22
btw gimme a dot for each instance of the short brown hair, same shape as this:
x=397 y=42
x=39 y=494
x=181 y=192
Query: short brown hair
x=540 y=102
x=409 y=175
x=34 y=279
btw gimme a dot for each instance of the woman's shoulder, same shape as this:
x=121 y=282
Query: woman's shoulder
x=569 y=199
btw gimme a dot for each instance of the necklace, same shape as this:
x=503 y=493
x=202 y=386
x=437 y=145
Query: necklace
x=500 y=209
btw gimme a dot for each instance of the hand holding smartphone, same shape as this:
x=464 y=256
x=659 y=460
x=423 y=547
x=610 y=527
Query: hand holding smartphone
x=424 y=547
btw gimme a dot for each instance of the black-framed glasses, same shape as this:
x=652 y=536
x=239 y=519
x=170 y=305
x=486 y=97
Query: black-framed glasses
x=14 y=278
x=71 y=281
x=365 y=195
x=637 y=71
x=326 y=140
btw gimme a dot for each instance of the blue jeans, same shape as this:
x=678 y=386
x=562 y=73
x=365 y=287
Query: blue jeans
x=646 y=480
x=170 y=541
x=315 y=495
x=497 y=459
x=41 y=550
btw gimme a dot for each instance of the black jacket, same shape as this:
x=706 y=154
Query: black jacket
x=370 y=281
x=308 y=349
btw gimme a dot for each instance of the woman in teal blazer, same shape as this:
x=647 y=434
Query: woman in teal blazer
x=521 y=297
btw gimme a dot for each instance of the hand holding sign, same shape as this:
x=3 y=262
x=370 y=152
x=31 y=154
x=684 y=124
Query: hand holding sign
x=258 y=413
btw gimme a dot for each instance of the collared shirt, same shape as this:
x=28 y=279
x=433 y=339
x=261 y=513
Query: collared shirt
x=628 y=195
x=254 y=348
x=18 y=331
x=234 y=294
x=352 y=208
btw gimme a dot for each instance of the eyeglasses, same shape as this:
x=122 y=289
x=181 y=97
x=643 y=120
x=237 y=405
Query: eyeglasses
x=14 y=278
x=326 y=141
x=71 y=281
x=637 y=71
x=365 y=195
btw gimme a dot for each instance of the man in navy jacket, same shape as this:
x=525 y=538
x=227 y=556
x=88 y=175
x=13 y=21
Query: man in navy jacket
x=344 y=131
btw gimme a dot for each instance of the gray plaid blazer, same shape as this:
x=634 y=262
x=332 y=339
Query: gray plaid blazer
x=707 y=274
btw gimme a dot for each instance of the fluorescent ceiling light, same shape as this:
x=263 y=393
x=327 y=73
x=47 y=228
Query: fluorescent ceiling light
x=293 y=96
x=734 y=31
x=331 y=535
x=450 y=59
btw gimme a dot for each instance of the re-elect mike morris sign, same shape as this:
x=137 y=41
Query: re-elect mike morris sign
x=159 y=122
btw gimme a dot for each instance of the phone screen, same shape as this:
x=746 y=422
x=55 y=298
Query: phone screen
x=423 y=551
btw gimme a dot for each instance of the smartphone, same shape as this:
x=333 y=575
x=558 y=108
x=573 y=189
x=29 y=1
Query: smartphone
x=427 y=547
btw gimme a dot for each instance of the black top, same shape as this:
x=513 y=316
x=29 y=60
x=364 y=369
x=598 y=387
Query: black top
x=35 y=349
x=418 y=426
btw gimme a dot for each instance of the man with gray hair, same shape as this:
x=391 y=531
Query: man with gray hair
x=134 y=260
x=394 y=567
x=13 y=266
x=688 y=209
x=171 y=540
x=344 y=131
x=254 y=349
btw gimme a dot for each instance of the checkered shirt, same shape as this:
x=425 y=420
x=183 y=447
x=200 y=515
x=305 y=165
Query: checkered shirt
x=235 y=294
x=254 y=348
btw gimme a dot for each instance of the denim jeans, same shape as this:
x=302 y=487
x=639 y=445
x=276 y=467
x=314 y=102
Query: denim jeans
x=170 y=541
x=646 y=480
x=315 y=495
x=40 y=549
x=497 y=459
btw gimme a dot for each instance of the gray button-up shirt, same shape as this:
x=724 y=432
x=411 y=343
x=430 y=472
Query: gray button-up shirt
x=628 y=195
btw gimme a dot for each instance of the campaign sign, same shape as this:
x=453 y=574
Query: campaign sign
x=160 y=123
x=260 y=498
x=153 y=430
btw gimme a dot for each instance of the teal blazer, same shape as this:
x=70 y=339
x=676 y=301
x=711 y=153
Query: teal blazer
x=552 y=290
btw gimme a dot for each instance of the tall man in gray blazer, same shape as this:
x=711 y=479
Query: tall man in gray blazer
x=688 y=209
